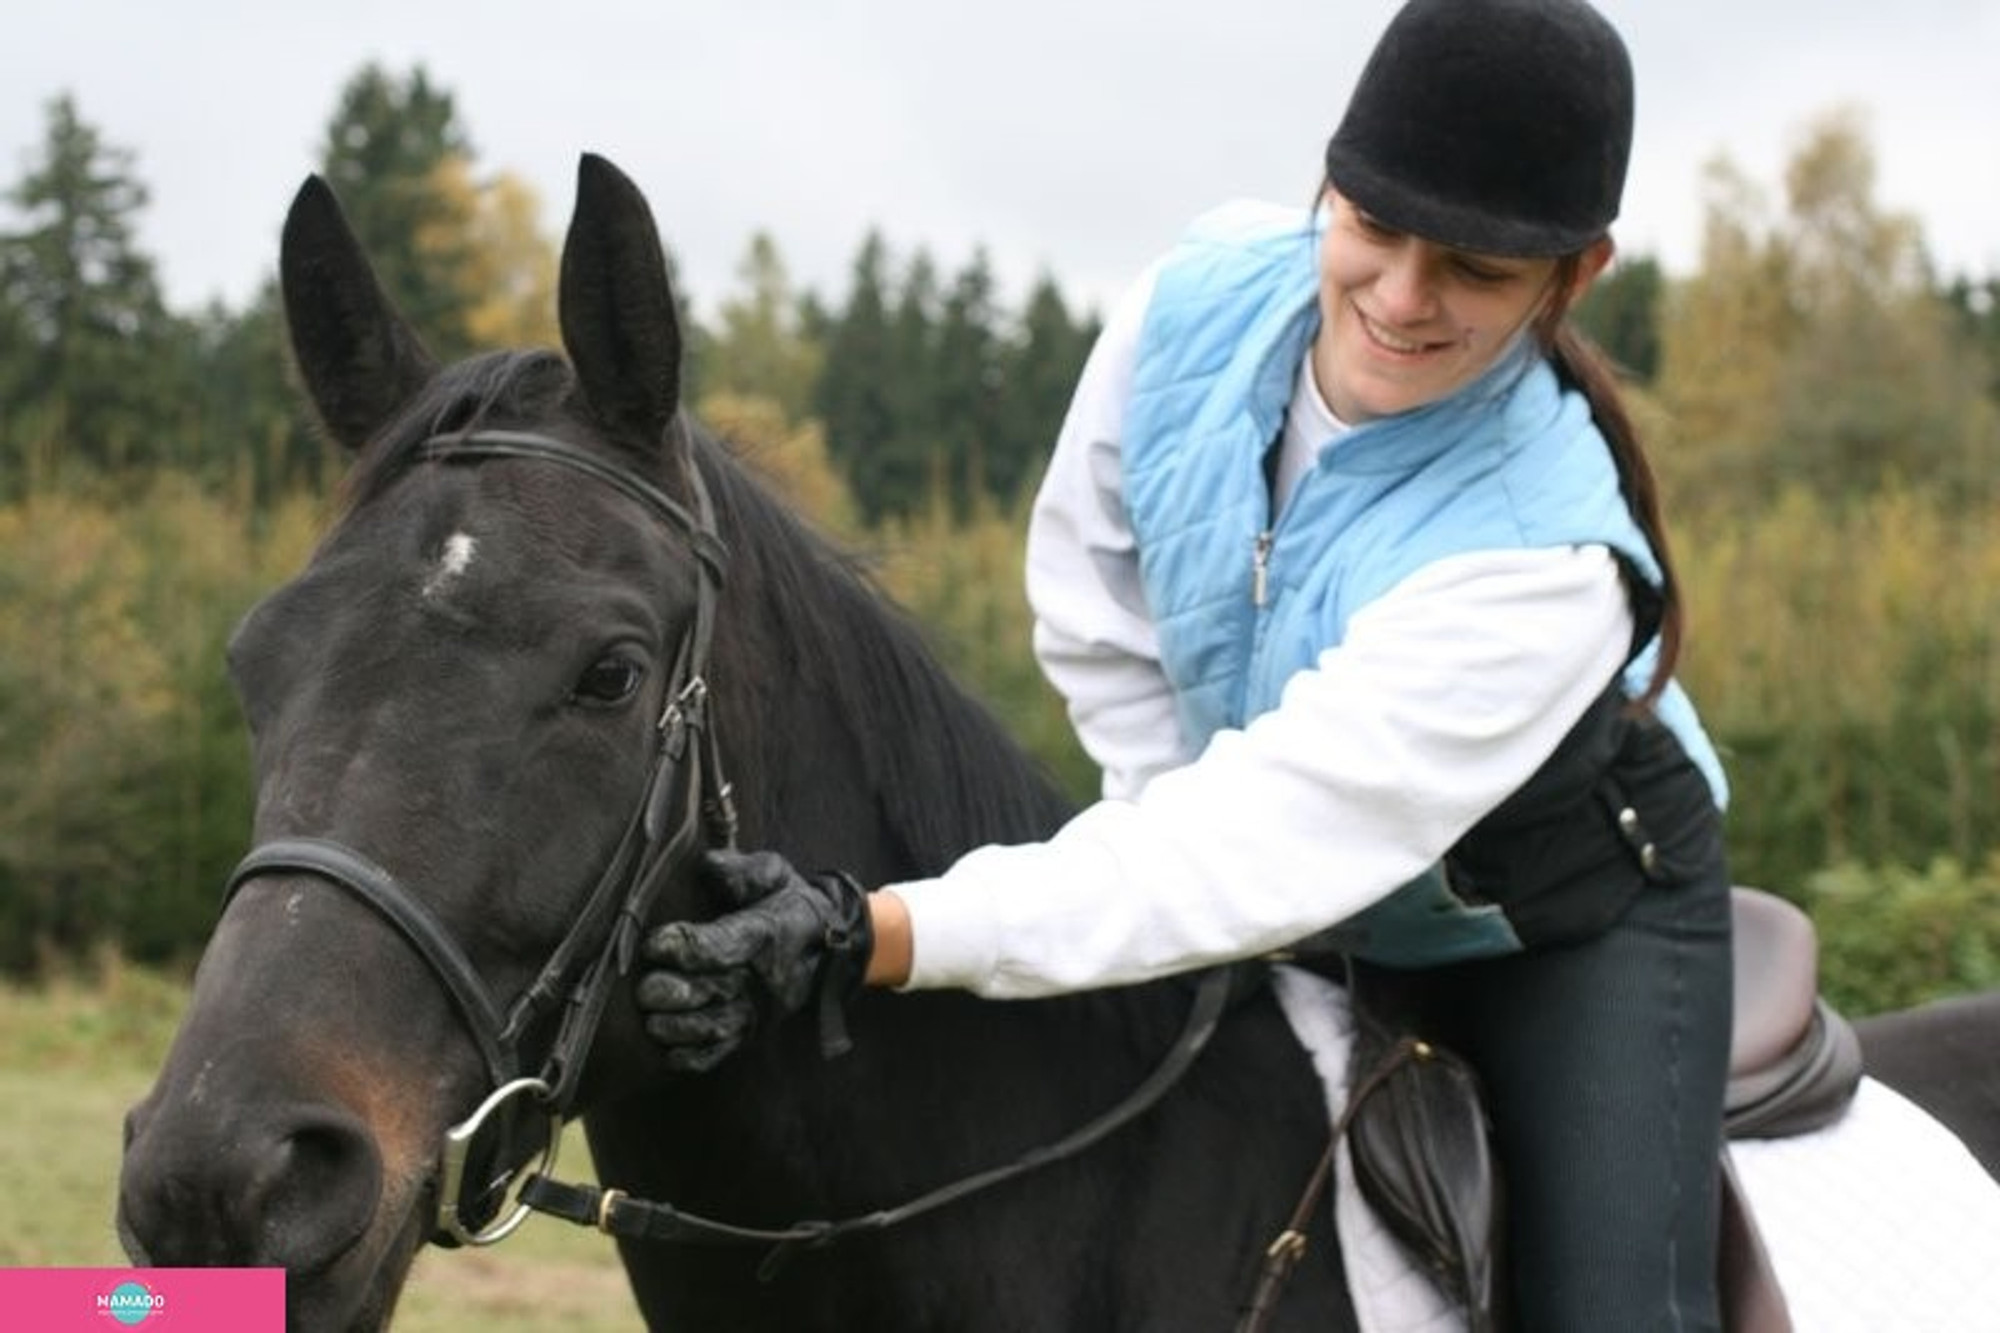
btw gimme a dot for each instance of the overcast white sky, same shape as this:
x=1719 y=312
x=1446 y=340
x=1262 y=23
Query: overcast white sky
x=1075 y=136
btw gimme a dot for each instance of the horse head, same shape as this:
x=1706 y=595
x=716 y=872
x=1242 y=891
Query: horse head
x=469 y=728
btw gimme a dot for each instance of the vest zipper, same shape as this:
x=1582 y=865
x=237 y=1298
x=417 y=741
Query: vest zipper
x=1260 y=568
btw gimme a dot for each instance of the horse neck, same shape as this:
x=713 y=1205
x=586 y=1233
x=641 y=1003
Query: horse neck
x=850 y=743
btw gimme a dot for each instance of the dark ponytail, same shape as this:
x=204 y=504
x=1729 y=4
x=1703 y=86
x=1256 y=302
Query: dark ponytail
x=1581 y=366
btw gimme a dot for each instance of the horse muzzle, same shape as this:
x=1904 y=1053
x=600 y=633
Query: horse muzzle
x=293 y=1186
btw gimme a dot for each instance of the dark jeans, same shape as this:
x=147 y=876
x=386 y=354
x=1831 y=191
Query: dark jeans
x=1604 y=1064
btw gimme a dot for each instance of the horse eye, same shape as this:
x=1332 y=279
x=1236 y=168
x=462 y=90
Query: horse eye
x=609 y=680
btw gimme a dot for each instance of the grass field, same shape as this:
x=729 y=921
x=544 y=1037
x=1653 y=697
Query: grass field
x=75 y=1054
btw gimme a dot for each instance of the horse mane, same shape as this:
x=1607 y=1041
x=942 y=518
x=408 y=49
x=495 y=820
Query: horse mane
x=945 y=773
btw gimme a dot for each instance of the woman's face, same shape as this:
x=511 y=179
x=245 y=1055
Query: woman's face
x=1405 y=322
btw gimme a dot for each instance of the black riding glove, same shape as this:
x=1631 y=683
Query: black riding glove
x=791 y=938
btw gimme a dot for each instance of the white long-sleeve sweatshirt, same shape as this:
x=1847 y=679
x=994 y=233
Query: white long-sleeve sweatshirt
x=1446 y=694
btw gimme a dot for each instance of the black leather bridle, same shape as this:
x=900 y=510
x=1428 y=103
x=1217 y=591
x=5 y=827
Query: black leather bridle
x=686 y=801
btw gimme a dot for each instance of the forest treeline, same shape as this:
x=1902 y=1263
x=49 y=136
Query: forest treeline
x=1822 y=405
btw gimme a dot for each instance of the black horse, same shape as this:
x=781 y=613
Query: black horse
x=483 y=747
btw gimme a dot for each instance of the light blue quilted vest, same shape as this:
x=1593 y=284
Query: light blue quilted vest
x=1510 y=461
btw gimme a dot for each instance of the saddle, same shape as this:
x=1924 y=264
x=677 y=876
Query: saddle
x=1418 y=1135
x=1794 y=1063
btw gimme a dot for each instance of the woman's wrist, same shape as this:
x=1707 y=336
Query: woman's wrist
x=889 y=916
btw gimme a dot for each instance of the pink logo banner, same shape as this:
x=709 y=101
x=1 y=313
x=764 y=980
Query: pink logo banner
x=153 y=1300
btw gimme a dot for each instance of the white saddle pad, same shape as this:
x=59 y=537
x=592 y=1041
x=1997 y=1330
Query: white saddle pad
x=1880 y=1223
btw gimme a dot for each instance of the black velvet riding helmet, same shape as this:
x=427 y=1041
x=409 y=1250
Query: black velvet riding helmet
x=1498 y=126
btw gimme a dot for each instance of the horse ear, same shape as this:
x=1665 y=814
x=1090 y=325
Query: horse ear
x=360 y=361
x=617 y=305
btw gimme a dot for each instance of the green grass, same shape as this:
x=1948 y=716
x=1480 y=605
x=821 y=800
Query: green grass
x=76 y=1052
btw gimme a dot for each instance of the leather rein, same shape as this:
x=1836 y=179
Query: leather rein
x=687 y=802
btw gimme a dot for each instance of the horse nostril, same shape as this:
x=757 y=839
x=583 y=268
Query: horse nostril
x=297 y=1189
x=315 y=1189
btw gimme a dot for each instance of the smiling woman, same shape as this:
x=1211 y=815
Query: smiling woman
x=1351 y=569
x=1405 y=321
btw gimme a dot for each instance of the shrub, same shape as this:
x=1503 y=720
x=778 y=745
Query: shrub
x=1891 y=937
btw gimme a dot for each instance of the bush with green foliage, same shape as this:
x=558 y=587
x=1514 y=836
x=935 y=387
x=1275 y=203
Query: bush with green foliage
x=125 y=795
x=1846 y=657
x=1891 y=937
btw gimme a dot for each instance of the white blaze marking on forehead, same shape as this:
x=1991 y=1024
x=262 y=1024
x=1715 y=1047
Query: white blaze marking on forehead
x=459 y=548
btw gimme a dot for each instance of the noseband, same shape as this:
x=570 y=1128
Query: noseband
x=686 y=800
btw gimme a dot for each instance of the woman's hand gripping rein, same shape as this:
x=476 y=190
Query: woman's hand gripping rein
x=791 y=937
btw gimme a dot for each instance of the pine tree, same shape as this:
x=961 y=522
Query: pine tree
x=396 y=156
x=255 y=432
x=1976 y=305
x=761 y=348
x=1040 y=369
x=87 y=333
x=853 y=394
x=965 y=389
x=899 y=472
